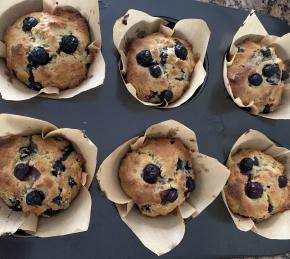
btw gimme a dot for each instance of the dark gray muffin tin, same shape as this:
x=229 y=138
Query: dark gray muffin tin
x=110 y=116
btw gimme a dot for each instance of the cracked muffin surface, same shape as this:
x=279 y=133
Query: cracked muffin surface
x=49 y=50
x=257 y=187
x=39 y=176
x=159 y=67
x=258 y=75
x=158 y=176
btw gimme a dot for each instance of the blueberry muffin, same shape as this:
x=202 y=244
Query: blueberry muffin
x=257 y=75
x=257 y=187
x=39 y=176
x=45 y=50
x=158 y=176
x=159 y=67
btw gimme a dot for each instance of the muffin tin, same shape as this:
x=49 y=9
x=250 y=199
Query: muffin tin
x=110 y=115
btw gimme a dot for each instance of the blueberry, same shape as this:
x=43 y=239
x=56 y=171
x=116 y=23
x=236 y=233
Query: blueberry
x=144 y=58
x=35 y=197
x=246 y=165
x=270 y=207
x=38 y=56
x=66 y=152
x=15 y=205
x=155 y=71
x=163 y=57
x=57 y=200
x=29 y=23
x=69 y=44
x=35 y=86
x=180 y=50
x=254 y=190
x=270 y=70
x=285 y=75
x=21 y=171
x=50 y=212
x=179 y=164
x=255 y=79
x=190 y=184
x=283 y=181
x=267 y=109
x=58 y=166
x=151 y=173
x=27 y=151
x=54 y=173
x=266 y=52
x=169 y=195
x=166 y=95
x=71 y=182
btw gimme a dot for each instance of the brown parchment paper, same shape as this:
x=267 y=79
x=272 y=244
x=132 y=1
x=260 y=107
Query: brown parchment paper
x=277 y=226
x=253 y=29
x=10 y=87
x=72 y=220
x=161 y=234
x=138 y=24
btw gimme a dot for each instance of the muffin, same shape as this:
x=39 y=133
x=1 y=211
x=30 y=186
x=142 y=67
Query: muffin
x=257 y=187
x=45 y=50
x=158 y=176
x=39 y=176
x=159 y=67
x=257 y=76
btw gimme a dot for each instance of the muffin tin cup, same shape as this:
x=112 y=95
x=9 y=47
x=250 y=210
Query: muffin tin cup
x=161 y=234
x=253 y=29
x=74 y=219
x=136 y=24
x=13 y=89
x=277 y=226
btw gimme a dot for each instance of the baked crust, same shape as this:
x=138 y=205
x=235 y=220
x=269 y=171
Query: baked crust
x=247 y=61
x=60 y=184
x=273 y=200
x=176 y=73
x=175 y=163
x=63 y=70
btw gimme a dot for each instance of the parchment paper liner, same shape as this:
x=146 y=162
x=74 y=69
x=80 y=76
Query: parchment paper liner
x=12 y=88
x=138 y=23
x=278 y=226
x=161 y=234
x=72 y=220
x=253 y=29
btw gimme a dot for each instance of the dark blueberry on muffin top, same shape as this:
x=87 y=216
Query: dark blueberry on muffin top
x=29 y=23
x=255 y=79
x=151 y=173
x=270 y=70
x=68 y=44
x=21 y=171
x=169 y=195
x=166 y=95
x=266 y=52
x=144 y=58
x=190 y=184
x=282 y=180
x=35 y=198
x=180 y=51
x=254 y=190
x=155 y=71
x=246 y=165
x=38 y=57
